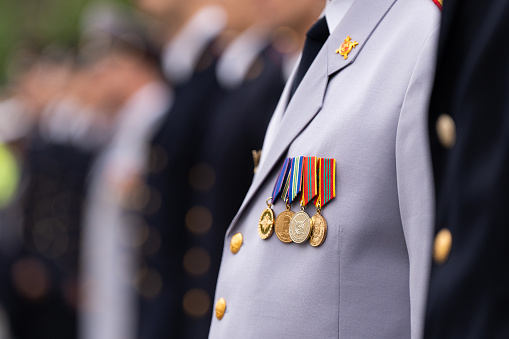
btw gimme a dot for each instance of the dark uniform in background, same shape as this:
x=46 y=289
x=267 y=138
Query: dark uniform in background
x=43 y=291
x=202 y=167
x=237 y=126
x=170 y=163
x=469 y=132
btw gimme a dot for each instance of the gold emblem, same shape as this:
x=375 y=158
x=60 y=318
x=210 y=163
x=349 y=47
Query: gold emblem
x=319 y=230
x=300 y=227
x=266 y=223
x=283 y=225
x=346 y=47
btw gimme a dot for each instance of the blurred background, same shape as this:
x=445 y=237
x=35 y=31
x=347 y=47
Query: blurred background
x=35 y=24
x=129 y=135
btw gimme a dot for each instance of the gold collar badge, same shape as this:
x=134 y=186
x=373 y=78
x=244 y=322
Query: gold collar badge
x=346 y=47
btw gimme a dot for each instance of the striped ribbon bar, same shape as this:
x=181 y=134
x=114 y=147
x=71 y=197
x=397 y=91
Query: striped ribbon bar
x=283 y=174
x=295 y=178
x=286 y=190
x=309 y=181
x=326 y=181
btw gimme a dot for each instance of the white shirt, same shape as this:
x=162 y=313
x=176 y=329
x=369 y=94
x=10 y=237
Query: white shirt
x=108 y=264
x=180 y=56
x=138 y=120
x=240 y=55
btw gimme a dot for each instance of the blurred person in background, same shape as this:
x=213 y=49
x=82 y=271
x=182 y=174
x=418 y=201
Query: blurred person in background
x=193 y=34
x=42 y=290
x=469 y=136
x=129 y=73
x=219 y=117
x=15 y=124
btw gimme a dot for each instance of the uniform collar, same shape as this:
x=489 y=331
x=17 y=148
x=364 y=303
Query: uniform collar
x=335 y=10
x=136 y=122
x=145 y=106
x=181 y=55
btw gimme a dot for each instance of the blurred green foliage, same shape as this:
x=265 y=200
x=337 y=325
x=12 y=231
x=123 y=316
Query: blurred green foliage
x=37 y=23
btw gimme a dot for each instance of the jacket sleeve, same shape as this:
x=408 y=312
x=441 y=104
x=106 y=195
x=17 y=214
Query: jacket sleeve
x=415 y=179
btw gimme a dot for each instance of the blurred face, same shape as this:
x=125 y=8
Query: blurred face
x=42 y=83
x=295 y=14
x=109 y=81
x=242 y=13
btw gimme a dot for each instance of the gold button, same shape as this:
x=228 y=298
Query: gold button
x=442 y=246
x=197 y=261
x=220 y=308
x=446 y=130
x=199 y=219
x=148 y=282
x=236 y=243
x=196 y=303
x=31 y=278
x=202 y=177
x=158 y=159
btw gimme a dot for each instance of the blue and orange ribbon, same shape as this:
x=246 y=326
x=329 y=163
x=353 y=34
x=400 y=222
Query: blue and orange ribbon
x=283 y=174
x=286 y=190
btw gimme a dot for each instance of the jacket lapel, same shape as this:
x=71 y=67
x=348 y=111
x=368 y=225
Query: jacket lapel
x=359 y=22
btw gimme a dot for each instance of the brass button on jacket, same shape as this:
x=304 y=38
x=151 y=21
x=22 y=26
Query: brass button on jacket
x=442 y=246
x=446 y=130
x=236 y=243
x=220 y=308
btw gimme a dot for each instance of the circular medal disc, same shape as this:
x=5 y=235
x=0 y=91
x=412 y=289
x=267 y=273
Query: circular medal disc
x=300 y=227
x=319 y=230
x=282 y=226
x=266 y=223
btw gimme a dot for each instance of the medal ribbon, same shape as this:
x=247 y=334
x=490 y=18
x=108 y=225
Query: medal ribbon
x=326 y=181
x=295 y=178
x=309 y=182
x=283 y=173
x=286 y=189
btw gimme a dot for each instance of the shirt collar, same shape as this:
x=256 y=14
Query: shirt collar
x=180 y=56
x=240 y=55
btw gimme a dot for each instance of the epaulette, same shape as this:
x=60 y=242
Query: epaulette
x=439 y=3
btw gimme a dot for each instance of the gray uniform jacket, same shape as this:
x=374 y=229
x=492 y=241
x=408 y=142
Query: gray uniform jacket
x=369 y=112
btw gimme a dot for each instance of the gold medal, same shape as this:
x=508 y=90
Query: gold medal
x=282 y=225
x=300 y=227
x=266 y=223
x=319 y=230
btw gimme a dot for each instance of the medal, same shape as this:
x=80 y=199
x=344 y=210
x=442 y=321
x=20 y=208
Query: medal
x=326 y=192
x=300 y=224
x=283 y=219
x=282 y=225
x=300 y=227
x=266 y=223
x=319 y=230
